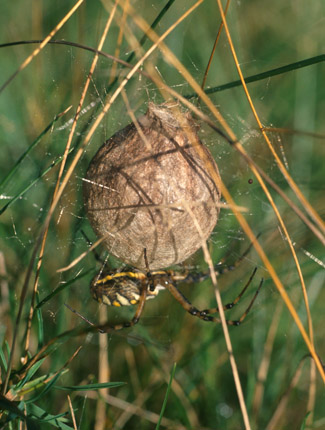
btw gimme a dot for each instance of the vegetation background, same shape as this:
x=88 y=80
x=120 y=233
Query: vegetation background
x=281 y=386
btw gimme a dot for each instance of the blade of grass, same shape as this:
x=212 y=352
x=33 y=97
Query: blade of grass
x=233 y=84
x=117 y=60
x=31 y=372
x=303 y=425
x=172 y=374
x=60 y=288
x=34 y=418
x=36 y=141
x=45 y=381
x=91 y=387
x=41 y=388
x=137 y=410
x=40 y=325
x=180 y=392
x=152 y=27
x=39 y=414
x=142 y=40
x=3 y=360
x=24 y=191
x=264 y=75
x=83 y=255
x=233 y=364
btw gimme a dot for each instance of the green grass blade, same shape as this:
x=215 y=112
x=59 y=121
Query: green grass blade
x=31 y=372
x=166 y=396
x=22 y=192
x=91 y=387
x=3 y=360
x=303 y=425
x=60 y=288
x=42 y=416
x=40 y=324
x=142 y=42
x=3 y=356
x=44 y=389
x=153 y=26
x=24 y=155
x=264 y=75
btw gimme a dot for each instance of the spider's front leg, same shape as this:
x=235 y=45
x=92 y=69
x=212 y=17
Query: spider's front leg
x=186 y=304
x=234 y=302
x=205 y=315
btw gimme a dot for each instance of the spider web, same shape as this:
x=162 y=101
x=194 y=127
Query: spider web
x=291 y=103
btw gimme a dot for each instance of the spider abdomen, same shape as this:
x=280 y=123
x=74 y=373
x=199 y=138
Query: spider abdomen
x=121 y=290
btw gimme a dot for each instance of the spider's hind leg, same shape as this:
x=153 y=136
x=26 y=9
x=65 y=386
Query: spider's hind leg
x=221 y=268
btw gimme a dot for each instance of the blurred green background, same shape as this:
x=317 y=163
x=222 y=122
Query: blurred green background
x=203 y=396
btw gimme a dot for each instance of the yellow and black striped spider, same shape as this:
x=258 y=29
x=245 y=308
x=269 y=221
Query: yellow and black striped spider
x=131 y=287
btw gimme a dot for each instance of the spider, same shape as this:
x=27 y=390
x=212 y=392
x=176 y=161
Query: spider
x=132 y=287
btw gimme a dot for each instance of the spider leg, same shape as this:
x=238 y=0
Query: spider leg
x=233 y=303
x=219 y=268
x=230 y=305
x=244 y=315
x=187 y=305
x=106 y=328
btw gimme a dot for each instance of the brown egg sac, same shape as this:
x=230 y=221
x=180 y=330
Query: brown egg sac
x=136 y=186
